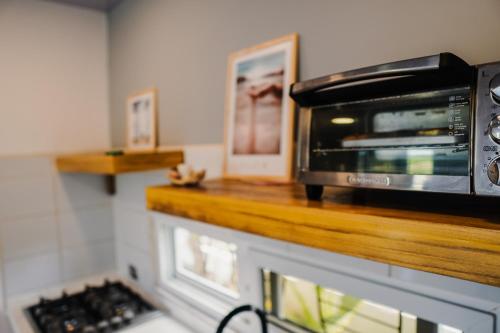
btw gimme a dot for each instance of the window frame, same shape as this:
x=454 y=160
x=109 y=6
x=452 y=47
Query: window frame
x=200 y=282
x=465 y=318
x=214 y=303
x=256 y=253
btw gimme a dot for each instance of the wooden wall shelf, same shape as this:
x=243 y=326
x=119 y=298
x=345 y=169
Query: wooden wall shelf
x=458 y=236
x=100 y=163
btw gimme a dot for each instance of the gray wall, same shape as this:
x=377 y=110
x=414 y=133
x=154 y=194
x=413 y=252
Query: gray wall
x=54 y=78
x=181 y=47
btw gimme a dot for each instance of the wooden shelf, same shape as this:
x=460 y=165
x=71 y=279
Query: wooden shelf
x=100 y=163
x=110 y=166
x=458 y=236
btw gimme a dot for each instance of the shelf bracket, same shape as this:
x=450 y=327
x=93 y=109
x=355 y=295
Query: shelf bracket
x=110 y=184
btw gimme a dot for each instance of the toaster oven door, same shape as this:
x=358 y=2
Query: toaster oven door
x=417 y=141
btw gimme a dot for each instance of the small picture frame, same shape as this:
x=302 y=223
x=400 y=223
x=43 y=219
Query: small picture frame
x=259 y=115
x=141 y=120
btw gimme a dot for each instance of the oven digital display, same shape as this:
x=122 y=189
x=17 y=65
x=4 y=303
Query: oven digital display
x=425 y=133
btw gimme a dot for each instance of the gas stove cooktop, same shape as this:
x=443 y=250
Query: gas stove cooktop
x=103 y=309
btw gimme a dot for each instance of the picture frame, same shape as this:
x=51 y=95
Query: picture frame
x=142 y=113
x=259 y=115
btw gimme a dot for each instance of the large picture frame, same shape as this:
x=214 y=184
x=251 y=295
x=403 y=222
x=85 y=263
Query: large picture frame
x=141 y=120
x=259 y=115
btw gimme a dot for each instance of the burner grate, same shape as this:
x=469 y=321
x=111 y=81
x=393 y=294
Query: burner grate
x=97 y=309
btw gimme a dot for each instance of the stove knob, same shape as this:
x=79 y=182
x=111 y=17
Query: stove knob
x=89 y=329
x=128 y=315
x=495 y=88
x=53 y=327
x=103 y=326
x=494 y=171
x=494 y=129
x=116 y=322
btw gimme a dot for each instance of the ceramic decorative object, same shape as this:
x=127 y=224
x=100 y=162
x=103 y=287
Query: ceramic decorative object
x=185 y=175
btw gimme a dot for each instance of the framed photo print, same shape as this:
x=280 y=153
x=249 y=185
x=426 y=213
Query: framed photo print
x=258 y=141
x=141 y=120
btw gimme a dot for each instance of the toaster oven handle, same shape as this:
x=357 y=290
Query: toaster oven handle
x=411 y=67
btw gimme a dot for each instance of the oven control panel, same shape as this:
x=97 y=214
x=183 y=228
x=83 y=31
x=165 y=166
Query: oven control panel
x=495 y=88
x=487 y=131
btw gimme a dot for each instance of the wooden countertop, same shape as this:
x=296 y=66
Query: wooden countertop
x=458 y=236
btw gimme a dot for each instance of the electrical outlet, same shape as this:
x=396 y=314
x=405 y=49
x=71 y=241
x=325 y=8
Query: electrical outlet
x=132 y=272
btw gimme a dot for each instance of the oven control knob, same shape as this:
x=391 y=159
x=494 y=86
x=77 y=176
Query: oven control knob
x=494 y=171
x=495 y=88
x=494 y=129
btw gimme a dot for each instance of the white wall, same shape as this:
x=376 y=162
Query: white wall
x=53 y=78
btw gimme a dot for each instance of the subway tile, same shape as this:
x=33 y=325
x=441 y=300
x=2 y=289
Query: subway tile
x=154 y=178
x=21 y=167
x=32 y=273
x=132 y=227
x=87 y=260
x=84 y=226
x=143 y=263
x=74 y=191
x=209 y=157
x=131 y=189
x=29 y=237
x=26 y=197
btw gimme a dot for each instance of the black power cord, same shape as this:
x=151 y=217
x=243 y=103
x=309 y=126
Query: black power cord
x=244 y=308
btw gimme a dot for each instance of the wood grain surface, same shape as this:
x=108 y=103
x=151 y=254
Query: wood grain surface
x=99 y=163
x=457 y=236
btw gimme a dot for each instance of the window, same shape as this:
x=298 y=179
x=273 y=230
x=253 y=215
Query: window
x=207 y=261
x=325 y=310
x=309 y=294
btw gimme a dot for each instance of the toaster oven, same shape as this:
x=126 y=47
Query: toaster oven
x=425 y=124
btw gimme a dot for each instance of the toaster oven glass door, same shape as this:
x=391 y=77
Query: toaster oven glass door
x=425 y=133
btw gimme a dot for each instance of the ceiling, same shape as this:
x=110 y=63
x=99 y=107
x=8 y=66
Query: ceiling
x=103 y=5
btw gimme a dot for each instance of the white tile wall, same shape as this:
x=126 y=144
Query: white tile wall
x=53 y=227
x=31 y=273
x=143 y=263
x=87 y=260
x=74 y=191
x=57 y=227
x=132 y=223
x=130 y=190
x=83 y=227
x=25 y=197
x=153 y=178
x=209 y=157
x=28 y=237
x=133 y=228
